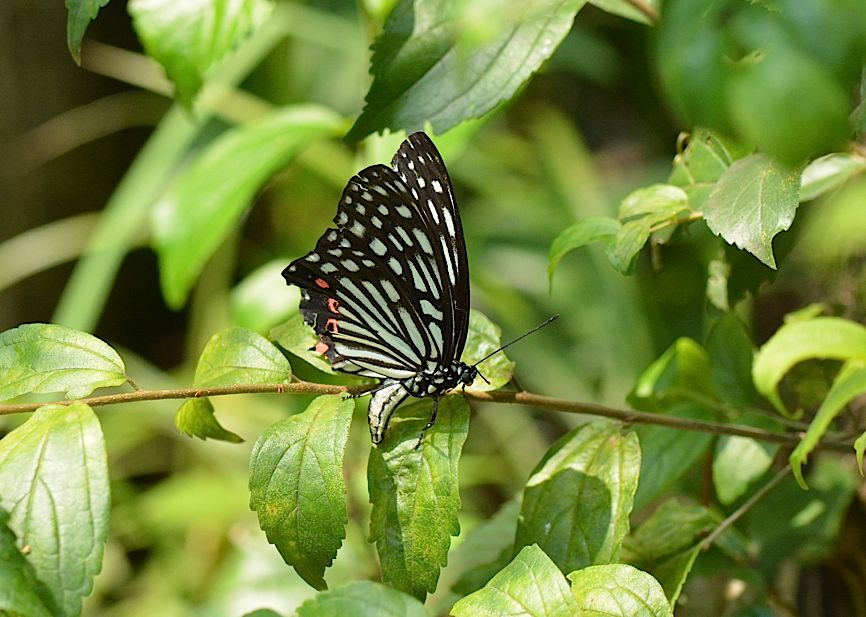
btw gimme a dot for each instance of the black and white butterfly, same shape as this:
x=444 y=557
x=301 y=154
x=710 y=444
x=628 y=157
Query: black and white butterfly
x=387 y=290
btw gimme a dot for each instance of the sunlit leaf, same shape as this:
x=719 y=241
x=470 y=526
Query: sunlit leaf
x=258 y=304
x=577 y=501
x=821 y=337
x=739 y=461
x=415 y=494
x=752 y=202
x=191 y=37
x=297 y=487
x=50 y=358
x=618 y=590
x=658 y=202
x=829 y=172
x=196 y=419
x=483 y=338
x=682 y=372
x=531 y=586
x=240 y=356
x=425 y=70
x=626 y=9
x=198 y=212
x=54 y=482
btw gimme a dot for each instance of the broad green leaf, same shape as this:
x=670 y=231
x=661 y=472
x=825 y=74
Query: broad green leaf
x=258 y=304
x=415 y=493
x=658 y=202
x=739 y=461
x=822 y=337
x=626 y=9
x=426 y=70
x=54 y=484
x=587 y=231
x=483 y=338
x=849 y=383
x=49 y=358
x=189 y=38
x=730 y=352
x=630 y=239
x=829 y=172
x=531 y=586
x=362 y=599
x=208 y=198
x=704 y=160
x=752 y=202
x=297 y=488
x=667 y=454
x=667 y=543
x=240 y=356
x=577 y=501
x=21 y=593
x=618 y=590
x=300 y=339
x=680 y=373
x=833 y=233
x=196 y=419
x=81 y=13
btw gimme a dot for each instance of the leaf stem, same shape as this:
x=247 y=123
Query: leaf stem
x=628 y=416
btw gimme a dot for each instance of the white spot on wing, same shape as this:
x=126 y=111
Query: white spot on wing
x=378 y=247
x=403 y=211
x=433 y=210
x=437 y=186
x=449 y=223
x=395 y=266
x=358 y=229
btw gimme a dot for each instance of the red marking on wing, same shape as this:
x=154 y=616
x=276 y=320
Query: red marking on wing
x=322 y=283
x=333 y=305
x=321 y=347
x=331 y=325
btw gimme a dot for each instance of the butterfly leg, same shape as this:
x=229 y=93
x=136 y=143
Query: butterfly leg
x=430 y=422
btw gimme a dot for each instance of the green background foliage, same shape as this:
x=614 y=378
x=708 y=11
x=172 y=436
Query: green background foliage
x=682 y=182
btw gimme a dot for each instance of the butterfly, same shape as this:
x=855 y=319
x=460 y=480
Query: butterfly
x=387 y=289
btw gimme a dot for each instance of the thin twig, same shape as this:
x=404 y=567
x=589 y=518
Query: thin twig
x=739 y=512
x=516 y=398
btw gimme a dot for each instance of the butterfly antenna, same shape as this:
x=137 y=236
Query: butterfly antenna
x=522 y=336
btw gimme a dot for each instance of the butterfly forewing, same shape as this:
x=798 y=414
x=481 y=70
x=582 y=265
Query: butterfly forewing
x=387 y=290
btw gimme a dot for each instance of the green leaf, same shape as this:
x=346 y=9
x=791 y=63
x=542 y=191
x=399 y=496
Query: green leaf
x=587 y=231
x=752 y=202
x=829 y=172
x=530 y=585
x=706 y=157
x=849 y=383
x=81 y=13
x=425 y=70
x=38 y=358
x=483 y=338
x=196 y=419
x=667 y=543
x=362 y=599
x=21 y=593
x=833 y=234
x=680 y=373
x=630 y=239
x=618 y=590
x=258 y=304
x=190 y=38
x=54 y=482
x=297 y=488
x=659 y=202
x=415 y=493
x=577 y=501
x=822 y=337
x=739 y=461
x=198 y=213
x=300 y=339
x=730 y=352
x=667 y=453
x=240 y=356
